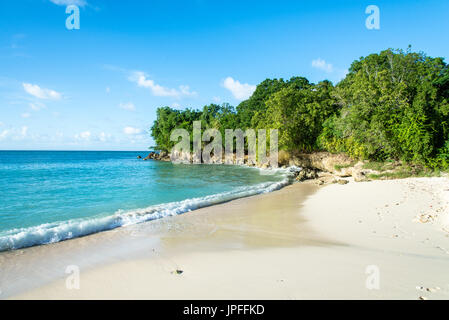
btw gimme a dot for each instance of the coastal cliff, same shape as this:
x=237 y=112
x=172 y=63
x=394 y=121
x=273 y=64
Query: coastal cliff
x=331 y=167
x=326 y=167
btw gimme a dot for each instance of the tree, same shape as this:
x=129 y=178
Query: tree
x=393 y=106
x=299 y=112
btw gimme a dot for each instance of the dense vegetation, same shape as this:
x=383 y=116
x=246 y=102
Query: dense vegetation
x=392 y=105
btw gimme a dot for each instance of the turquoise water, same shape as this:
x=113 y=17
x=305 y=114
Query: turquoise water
x=48 y=196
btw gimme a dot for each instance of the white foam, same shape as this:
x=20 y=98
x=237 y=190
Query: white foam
x=55 y=232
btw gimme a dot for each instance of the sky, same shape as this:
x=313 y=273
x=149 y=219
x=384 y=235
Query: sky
x=98 y=87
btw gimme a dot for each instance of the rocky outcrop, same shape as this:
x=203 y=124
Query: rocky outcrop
x=325 y=167
x=323 y=161
x=338 y=165
x=161 y=156
x=307 y=174
x=151 y=155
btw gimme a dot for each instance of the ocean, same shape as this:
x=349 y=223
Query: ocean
x=51 y=196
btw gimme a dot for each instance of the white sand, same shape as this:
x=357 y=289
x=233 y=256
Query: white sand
x=272 y=247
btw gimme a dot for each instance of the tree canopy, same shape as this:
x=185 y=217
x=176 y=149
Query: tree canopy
x=390 y=105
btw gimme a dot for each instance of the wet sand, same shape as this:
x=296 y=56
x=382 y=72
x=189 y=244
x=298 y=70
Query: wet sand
x=354 y=241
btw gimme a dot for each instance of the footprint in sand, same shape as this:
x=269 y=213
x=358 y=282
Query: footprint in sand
x=431 y=290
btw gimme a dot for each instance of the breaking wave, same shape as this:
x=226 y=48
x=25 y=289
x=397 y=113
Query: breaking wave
x=64 y=230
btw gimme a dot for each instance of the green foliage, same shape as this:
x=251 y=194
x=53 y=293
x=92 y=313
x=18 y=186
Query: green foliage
x=404 y=173
x=299 y=112
x=169 y=119
x=391 y=105
x=394 y=106
x=212 y=116
x=442 y=159
x=379 y=166
x=338 y=167
x=256 y=103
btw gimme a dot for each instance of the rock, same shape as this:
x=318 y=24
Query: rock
x=177 y=271
x=323 y=161
x=341 y=181
x=151 y=155
x=423 y=298
x=312 y=174
x=294 y=170
x=359 y=176
x=139 y=157
x=343 y=172
x=164 y=156
x=301 y=176
x=307 y=174
x=340 y=165
x=265 y=166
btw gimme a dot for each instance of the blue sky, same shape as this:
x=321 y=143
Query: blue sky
x=97 y=88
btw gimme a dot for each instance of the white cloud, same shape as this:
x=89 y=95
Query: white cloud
x=127 y=106
x=216 y=99
x=80 y=3
x=41 y=93
x=15 y=133
x=103 y=137
x=85 y=135
x=141 y=79
x=337 y=74
x=322 y=65
x=26 y=115
x=24 y=131
x=131 y=131
x=239 y=91
x=175 y=105
x=36 y=106
x=4 y=134
x=108 y=90
x=185 y=90
x=89 y=137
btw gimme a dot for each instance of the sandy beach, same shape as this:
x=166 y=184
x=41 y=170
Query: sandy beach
x=370 y=240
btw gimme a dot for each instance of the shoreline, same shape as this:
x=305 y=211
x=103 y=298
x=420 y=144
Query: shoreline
x=129 y=242
x=300 y=242
x=60 y=231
